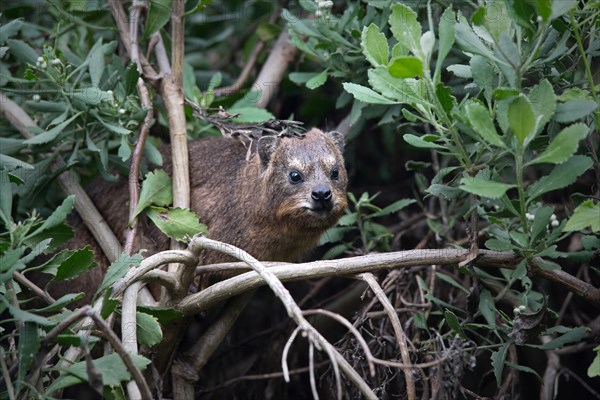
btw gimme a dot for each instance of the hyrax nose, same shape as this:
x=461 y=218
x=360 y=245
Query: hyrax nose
x=322 y=195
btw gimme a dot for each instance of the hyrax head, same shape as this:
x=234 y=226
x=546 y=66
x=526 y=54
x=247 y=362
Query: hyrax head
x=305 y=179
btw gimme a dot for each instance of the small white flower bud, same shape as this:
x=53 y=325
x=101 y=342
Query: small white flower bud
x=516 y=311
x=530 y=217
x=539 y=19
x=554 y=223
x=122 y=111
x=40 y=59
x=36 y=98
x=318 y=13
x=553 y=217
x=522 y=308
x=56 y=61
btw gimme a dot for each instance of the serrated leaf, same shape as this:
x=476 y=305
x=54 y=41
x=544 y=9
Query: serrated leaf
x=498 y=358
x=404 y=90
x=561 y=176
x=418 y=141
x=574 y=335
x=29 y=345
x=543 y=100
x=394 y=207
x=453 y=323
x=156 y=189
x=483 y=187
x=541 y=221
x=460 y=70
x=158 y=16
x=406 y=67
x=51 y=134
x=405 y=27
x=118 y=269
x=564 y=145
x=316 y=81
x=482 y=123
x=78 y=262
x=366 y=95
x=251 y=114
x=24 y=316
x=587 y=214
x=487 y=307
x=148 y=329
x=22 y=51
x=446 y=36
x=573 y=110
x=111 y=367
x=57 y=217
x=164 y=315
x=470 y=42
x=521 y=118
x=176 y=222
x=96 y=62
x=374 y=45
x=594 y=368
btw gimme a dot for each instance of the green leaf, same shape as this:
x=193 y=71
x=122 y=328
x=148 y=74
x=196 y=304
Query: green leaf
x=404 y=90
x=469 y=41
x=560 y=7
x=57 y=217
x=111 y=367
x=394 y=207
x=148 y=329
x=61 y=302
x=300 y=78
x=487 y=308
x=164 y=315
x=574 y=110
x=118 y=269
x=313 y=83
x=482 y=123
x=406 y=67
x=24 y=316
x=51 y=134
x=543 y=100
x=460 y=70
x=6 y=198
x=77 y=263
x=96 y=62
x=483 y=187
x=594 y=368
x=92 y=95
x=499 y=245
x=498 y=358
x=564 y=145
x=572 y=336
x=446 y=37
x=29 y=345
x=541 y=221
x=158 y=16
x=252 y=114
x=405 y=27
x=22 y=51
x=418 y=141
x=365 y=94
x=521 y=118
x=561 y=176
x=586 y=214
x=374 y=45
x=176 y=222
x=453 y=323
x=156 y=189
x=444 y=95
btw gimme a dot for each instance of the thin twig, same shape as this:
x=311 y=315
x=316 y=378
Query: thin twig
x=145 y=392
x=6 y=376
x=398 y=331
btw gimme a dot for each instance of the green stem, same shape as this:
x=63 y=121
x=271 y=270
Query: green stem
x=586 y=64
x=522 y=200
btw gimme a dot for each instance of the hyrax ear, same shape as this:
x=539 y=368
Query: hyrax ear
x=266 y=146
x=338 y=138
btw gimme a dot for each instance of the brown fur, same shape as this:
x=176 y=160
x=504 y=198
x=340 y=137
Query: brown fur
x=251 y=204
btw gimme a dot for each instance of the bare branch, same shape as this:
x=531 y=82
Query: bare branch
x=398 y=331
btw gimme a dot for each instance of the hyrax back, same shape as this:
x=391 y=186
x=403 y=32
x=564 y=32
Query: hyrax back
x=274 y=205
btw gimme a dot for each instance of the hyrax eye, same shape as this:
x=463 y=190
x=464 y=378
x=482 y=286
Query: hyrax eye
x=335 y=173
x=295 y=177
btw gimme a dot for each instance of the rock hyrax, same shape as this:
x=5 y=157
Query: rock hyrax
x=277 y=203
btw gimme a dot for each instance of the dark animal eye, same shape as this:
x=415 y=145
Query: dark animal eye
x=335 y=173
x=295 y=177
